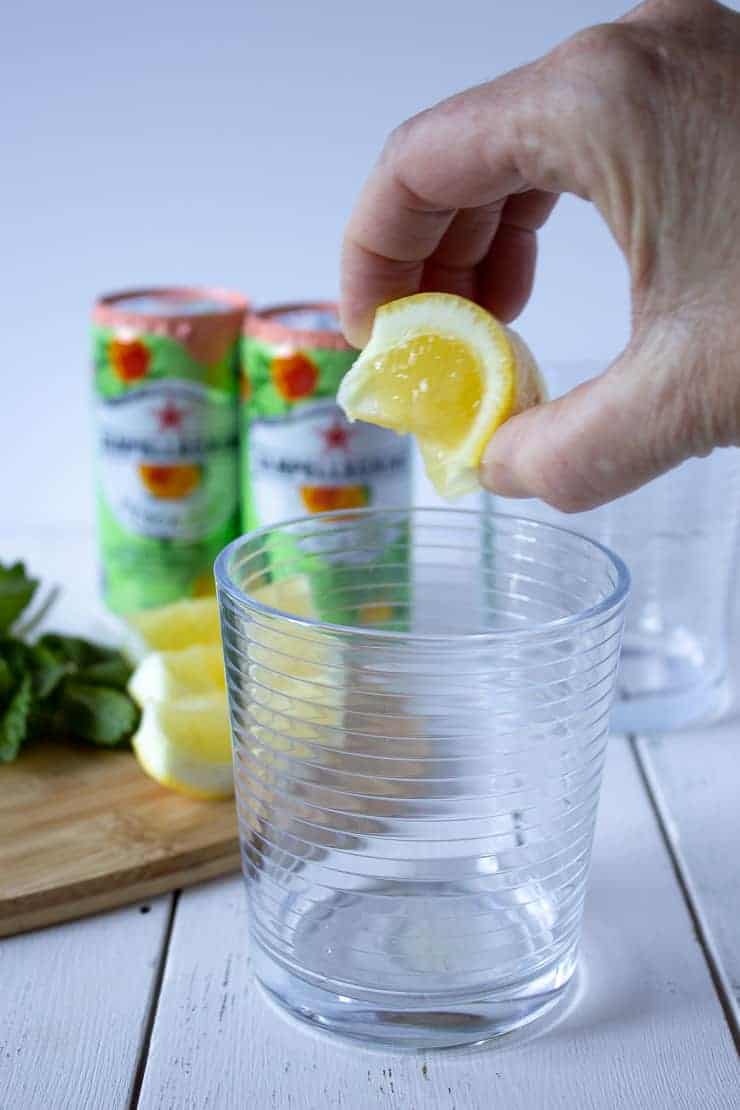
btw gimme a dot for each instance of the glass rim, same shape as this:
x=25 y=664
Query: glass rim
x=611 y=602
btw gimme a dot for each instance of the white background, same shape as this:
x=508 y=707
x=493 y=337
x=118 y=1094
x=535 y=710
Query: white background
x=214 y=142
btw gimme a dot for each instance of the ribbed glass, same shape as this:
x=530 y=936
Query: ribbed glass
x=679 y=537
x=418 y=755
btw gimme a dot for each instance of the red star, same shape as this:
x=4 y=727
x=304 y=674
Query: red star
x=336 y=436
x=169 y=416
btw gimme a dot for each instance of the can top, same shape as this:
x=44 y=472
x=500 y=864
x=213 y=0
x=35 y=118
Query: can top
x=312 y=324
x=139 y=308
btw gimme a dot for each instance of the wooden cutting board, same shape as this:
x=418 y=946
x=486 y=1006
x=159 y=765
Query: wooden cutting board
x=83 y=830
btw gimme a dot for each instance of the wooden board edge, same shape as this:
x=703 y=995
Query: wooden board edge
x=99 y=901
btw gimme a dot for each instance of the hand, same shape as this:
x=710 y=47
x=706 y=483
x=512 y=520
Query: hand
x=642 y=118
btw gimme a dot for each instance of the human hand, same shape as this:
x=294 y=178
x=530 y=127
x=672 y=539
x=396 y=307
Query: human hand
x=642 y=118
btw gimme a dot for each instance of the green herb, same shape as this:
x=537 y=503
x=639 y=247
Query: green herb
x=59 y=686
x=16 y=590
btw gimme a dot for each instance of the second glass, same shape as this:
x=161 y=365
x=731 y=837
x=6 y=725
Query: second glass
x=417 y=785
x=678 y=535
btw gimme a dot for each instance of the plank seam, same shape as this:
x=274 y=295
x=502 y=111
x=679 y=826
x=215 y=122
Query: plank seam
x=146 y=1039
x=681 y=869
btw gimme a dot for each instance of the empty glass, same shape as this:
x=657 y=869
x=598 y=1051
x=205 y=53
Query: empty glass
x=417 y=785
x=678 y=536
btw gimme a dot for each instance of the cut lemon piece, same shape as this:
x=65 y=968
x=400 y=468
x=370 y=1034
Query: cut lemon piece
x=442 y=368
x=172 y=675
x=291 y=595
x=186 y=745
x=183 y=740
x=176 y=626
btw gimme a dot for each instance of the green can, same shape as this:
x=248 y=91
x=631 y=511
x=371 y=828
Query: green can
x=166 y=370
x=300 y=455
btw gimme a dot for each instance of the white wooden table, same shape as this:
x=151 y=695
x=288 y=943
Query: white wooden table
x=153 y=1006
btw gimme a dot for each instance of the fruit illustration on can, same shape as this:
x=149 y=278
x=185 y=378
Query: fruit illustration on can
x=295 y=376
x=324 y=499
x=170 y=482
x=129 y=359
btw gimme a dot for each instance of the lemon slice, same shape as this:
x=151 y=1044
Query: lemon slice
x=172 y=627
x=442 y=368
x=169 y=676
x=295 y=677
x=183 y=739
x=186 y=745
x=292 y=595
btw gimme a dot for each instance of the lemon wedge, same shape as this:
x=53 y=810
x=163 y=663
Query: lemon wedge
x=170 y=676
x=442 y=368
x=173 y=627
x=296 y=678
x=183 y=740
x=186 y=745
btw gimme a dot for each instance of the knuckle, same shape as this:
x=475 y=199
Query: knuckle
x=609 y=55
x=401 y=139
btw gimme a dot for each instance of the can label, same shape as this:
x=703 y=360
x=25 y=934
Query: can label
x=313 y=460
x=167 y=466
x=300 y=454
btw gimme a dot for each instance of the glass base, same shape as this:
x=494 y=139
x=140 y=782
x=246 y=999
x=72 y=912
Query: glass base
x=659 y=690
x=385 y=1019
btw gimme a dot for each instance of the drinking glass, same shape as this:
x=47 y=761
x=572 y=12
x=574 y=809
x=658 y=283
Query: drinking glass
x=678 y=536
x=417 y=785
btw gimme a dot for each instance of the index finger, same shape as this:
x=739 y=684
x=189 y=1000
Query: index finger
x=433 y=166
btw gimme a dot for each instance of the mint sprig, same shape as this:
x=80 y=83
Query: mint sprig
x=16 y=591
x=59 y=686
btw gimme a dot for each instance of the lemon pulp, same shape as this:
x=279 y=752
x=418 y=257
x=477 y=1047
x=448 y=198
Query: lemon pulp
x=404 y=399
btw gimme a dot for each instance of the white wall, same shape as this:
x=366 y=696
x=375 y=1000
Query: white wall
x=193 y=142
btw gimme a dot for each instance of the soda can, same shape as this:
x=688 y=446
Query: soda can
x=300 y=455
x=166 y=371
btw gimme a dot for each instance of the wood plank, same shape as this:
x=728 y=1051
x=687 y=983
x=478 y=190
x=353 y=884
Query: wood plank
x=648 y=1031
x=85 y=830
x=74 y=1009
x=695 y=780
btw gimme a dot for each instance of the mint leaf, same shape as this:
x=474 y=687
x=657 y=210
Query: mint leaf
x=93 y=664
x=16 y=590
x=99 y=714
x=14 y=720
x=61 y=686
x=74 y=649
x=108 y=672
x=6 y=680
x=48 y=670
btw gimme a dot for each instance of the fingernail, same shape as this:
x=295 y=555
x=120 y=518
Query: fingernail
x=498 y=477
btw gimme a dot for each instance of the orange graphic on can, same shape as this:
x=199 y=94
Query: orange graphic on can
x=295 y=376
x=324 y=499
x=129 y=359
x=169 y=483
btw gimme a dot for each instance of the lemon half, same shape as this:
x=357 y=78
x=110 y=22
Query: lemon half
x=442 y=368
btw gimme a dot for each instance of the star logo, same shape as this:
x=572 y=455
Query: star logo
x=169 y=416
x=336 y=436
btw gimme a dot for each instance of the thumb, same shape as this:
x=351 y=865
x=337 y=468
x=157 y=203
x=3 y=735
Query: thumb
x=603 y=439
